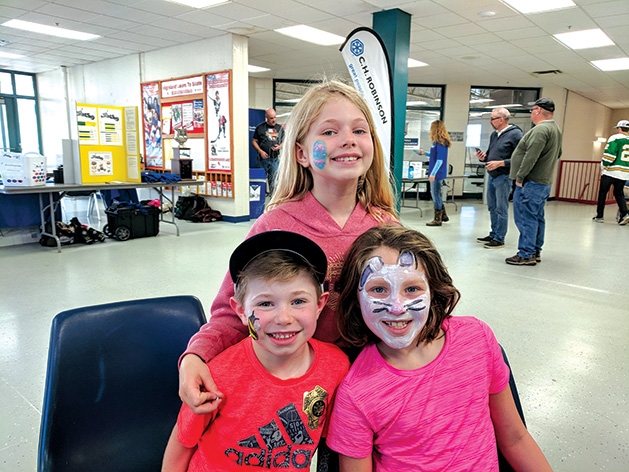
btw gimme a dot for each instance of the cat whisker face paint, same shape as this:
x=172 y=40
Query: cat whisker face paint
x=319 y=154
x=394 y=299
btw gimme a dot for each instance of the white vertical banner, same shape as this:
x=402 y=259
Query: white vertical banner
x=368 y=65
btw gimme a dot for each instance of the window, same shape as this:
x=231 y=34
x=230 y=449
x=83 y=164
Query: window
x=286 y=94
x=25 y=85
x=424 y=104
x=482 y=101
x=19 y=118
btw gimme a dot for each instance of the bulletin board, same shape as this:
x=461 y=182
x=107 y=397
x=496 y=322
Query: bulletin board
x=108 y=148
x=202 y=105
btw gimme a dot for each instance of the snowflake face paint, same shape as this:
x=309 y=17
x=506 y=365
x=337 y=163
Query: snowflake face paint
x=319 y=154
x=394 y=298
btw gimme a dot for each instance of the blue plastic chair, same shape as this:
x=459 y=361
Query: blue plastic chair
x=111 y=394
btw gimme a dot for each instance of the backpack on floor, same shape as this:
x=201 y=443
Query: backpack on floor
x=187 y=206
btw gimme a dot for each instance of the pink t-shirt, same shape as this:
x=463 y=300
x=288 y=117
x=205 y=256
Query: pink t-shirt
x=435 y=418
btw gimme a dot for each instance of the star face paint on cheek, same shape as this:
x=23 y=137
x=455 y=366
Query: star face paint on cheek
x=254 y=324
x=387 y=302
x=319 y=154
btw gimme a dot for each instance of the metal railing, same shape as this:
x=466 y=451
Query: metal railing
x=578 y=181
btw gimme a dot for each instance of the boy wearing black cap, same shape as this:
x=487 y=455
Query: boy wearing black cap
x=276 y=385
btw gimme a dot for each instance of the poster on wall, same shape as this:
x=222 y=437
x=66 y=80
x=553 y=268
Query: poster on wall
x=101 y=163
x=110 y=126
x=152 y=125
x=218 y=121
x=187 y=115
x=198 y=119
x=87 y=124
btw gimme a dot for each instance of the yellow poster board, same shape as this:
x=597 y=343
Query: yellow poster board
x=108 y=143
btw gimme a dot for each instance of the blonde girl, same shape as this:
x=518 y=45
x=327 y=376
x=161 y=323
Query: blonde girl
x=332 y=186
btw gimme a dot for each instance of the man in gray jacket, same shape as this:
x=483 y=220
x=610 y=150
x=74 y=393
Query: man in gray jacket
x=532 y=167
x=502 y=143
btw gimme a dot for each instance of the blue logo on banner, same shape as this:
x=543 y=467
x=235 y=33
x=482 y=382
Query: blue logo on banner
x=357 y=47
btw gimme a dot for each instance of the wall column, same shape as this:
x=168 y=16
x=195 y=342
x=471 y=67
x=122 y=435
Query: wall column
x=394 y=27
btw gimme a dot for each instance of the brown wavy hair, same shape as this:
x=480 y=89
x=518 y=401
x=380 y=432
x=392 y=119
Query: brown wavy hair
x=374 y=189
x=439 y=133
x=443 y=294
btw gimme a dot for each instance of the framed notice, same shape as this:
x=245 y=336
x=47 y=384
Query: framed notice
x=200 y=105
x=152 y=122
x=218 y=125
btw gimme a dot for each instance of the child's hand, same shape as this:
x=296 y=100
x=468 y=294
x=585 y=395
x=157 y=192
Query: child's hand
x=196 y=386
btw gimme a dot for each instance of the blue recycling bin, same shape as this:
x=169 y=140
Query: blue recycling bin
x=257 y=192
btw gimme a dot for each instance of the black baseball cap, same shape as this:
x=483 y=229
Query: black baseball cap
x=545 y=103
x=302 y=248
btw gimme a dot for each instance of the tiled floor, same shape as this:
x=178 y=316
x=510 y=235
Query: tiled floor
x=564 y=322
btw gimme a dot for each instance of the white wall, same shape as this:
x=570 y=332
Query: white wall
x=53 y=113
x=260 y=93
x=117 y=82
x=585 y=120
x=456 y=111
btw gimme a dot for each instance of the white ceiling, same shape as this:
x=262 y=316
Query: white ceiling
x=449 y=35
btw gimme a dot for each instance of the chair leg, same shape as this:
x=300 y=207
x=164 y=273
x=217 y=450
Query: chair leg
x=93 y=205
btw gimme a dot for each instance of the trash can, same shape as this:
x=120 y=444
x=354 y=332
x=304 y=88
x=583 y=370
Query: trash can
x=257 y=191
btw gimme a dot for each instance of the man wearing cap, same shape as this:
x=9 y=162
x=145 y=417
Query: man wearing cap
x=532 y=167
x=615 y=172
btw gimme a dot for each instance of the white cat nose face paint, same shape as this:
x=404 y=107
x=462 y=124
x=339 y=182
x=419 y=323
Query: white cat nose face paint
x=394 y=299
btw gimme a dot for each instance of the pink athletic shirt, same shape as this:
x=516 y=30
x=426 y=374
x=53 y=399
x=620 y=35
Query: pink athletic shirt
x=435 y=418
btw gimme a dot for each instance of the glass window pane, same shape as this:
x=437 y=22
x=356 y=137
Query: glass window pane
x=4 y=128
x=423 y=106
x=6 y=86
x=29 y=129
x=25 y=85
x=482 y=101
x=287 y=94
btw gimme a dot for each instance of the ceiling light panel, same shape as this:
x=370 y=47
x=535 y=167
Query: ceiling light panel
x=311 y=35
x=608 y=65
x=538 y=6
x=415 y=63
x=9 y=55
x=253 y=69
x=586 y=39
x=200 y=3
x=50 y=30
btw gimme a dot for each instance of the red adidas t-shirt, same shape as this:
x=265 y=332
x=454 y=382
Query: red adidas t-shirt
x=262 y=423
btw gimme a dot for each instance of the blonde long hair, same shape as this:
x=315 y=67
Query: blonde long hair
x=439 y=133
x=294 y=181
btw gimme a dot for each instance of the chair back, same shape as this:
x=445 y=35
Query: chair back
x=111 y=393
x=503 y=465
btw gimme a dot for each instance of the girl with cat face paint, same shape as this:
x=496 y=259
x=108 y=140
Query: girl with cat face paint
x=394 y=298
x=428 y=391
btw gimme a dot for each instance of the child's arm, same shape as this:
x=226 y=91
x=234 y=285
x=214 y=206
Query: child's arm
x=177 y=456
x=514 y=440
x=351 y=464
